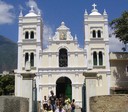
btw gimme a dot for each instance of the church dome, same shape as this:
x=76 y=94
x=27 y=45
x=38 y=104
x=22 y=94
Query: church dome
x=95 y=13
x=31 y=13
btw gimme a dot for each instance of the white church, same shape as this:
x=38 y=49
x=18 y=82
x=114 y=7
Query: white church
x=63 y=66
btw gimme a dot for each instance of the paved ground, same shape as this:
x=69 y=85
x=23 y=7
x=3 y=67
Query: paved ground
x=77 y=110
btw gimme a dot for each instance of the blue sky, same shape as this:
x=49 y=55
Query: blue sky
x=56 y=11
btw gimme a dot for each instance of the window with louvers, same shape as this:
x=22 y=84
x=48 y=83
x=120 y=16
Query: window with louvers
x=26 y=57
x=94 y=58
x=63 y=58
x=32 y=59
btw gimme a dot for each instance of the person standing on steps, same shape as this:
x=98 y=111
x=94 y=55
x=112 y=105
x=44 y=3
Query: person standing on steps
x=52 y=98
x=45 y=103
x=73 y=105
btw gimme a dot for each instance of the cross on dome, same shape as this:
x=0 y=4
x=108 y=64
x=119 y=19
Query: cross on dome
x=94 y=6
x=94 y=10
x=32 y=8
x=31 y=12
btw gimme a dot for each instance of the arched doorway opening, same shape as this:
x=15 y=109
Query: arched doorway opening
x=64 y=87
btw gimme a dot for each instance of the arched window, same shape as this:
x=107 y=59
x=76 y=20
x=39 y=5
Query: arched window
x=99 y=33
x=32 y=35
x=94 y=34
x=26 y=35
x=26 y=57
x=63 y=58
x=100 y=58
x=32 y=59
x=94 y=58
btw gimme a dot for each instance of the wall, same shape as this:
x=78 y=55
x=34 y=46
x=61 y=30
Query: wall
x=109 y=103
x=13 y=104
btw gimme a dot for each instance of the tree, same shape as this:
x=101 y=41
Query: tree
x=7 y=84
x=120 y=27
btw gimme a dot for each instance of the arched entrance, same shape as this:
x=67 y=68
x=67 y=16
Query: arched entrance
x=64 y=87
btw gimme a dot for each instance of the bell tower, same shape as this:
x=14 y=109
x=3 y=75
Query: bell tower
x=96 y=40
x=29 y=40
x=96 y=43
x=29 y=46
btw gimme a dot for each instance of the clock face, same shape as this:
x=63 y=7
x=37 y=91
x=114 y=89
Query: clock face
x=62 y=35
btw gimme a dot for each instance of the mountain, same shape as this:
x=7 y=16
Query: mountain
x=8 y=54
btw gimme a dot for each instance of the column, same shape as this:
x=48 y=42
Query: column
x=57 y=59
x=20 y=55
x=97 y=58
x=27 y=88
x=69 y=65
x=36 y=61
x=49 y=78
x=76 y=59
x=73 y=92
x=109 y=83
x=49 y=59
x=103 y=58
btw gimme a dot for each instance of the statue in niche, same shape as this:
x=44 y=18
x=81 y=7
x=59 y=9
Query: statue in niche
x=63 y=36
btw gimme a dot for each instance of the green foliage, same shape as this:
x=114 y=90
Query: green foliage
x=7 y=84
x=120 y=26
x=8 y=54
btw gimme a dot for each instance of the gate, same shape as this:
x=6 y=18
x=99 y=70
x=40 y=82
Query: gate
x=84 y=96
x=34 y=96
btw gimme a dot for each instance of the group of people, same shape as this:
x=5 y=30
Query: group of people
x=61 y=104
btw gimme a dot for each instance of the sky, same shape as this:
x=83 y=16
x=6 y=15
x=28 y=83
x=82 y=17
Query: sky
x=55 y=11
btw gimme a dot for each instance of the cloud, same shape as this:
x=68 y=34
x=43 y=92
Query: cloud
x=34 y=4
x=6 y=14
x=114 y=44
x=21 y=7
x=47 y=32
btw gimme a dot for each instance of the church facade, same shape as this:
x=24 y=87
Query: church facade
x=60 y=66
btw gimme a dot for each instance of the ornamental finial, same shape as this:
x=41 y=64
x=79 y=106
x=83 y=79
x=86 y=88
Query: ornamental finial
x=39 y=13
x=104 y=13
x=75 y=37
x=21 y=14
x=86 y=13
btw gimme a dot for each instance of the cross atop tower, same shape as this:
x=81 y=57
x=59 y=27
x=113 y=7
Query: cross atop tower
x=94 y=6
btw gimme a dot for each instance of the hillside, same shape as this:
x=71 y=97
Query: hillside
x=8 y=54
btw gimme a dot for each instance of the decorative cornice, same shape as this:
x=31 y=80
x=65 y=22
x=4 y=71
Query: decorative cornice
x=53 y=85
x=31 y=23
x=61 y=70
x=29 y=41
x=19 y=44
x=38 y=43
x=46 y=85
x=97 y=39
x=62 y=41
x=106 y=42
x=29 y=50
x=99 y=49
x=69 y=53
x=76 y=84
